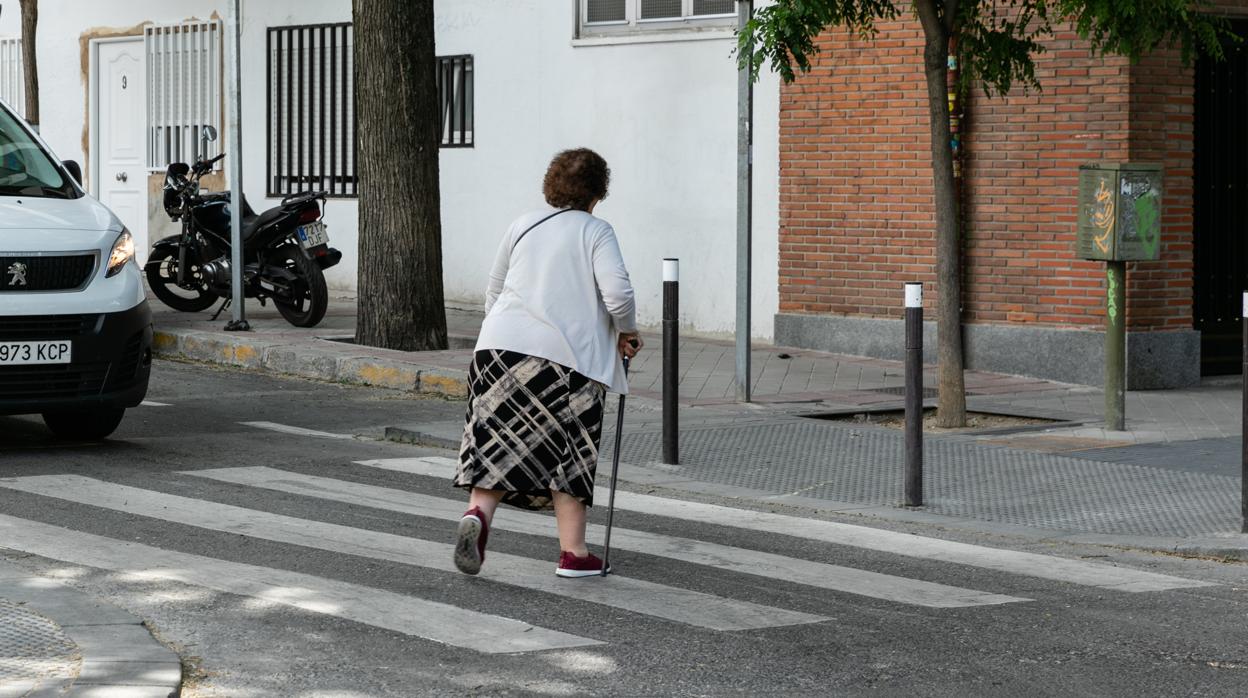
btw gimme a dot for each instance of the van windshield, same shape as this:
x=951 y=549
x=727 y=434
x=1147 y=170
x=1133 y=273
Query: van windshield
x=25 y=168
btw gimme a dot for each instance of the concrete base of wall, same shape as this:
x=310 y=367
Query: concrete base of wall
x=1155 y=360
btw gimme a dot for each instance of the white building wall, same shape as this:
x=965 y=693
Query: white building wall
x=663 y=115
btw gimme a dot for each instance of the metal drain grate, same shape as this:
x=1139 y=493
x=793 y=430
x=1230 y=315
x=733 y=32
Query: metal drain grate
x=33 y=650
x=901 y=390
x=864 y=465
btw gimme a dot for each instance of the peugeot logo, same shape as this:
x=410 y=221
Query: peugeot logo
x=18 y=271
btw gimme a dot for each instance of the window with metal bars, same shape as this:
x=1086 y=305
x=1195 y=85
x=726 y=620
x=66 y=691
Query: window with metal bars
x=455 y=96
x=615 y=16
x=312 y=118
x=311 y=106
x=184 y=90
x=13 y=75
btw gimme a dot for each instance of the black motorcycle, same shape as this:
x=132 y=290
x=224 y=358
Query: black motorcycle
x=285 y=250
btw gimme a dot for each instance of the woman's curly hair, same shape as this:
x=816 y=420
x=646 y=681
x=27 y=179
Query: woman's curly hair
x=575 y=178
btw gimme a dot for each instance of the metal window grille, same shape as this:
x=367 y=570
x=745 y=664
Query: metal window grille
x=312 y=111
x=605 y=11
x=714 y=7
x=312 y=122
x=184 y=90
x=13 y=76
x=608 y=17
x=455 y=95
x=661 y=9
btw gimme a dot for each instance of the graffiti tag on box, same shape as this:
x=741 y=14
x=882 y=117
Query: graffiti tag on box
x=1139 y=203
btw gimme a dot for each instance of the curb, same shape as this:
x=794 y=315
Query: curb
x=119 y=654
x=327 y=364
x=438 y=435
x=1229 y=549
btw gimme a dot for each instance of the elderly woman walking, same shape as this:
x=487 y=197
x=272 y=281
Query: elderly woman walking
x=559 y=316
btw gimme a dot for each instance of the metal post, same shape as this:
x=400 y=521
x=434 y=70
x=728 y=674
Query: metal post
x=1115 y=344
x=1243 y=429
x=745 y=189
x=914 y=395
x=235 y=142
x=671 y=359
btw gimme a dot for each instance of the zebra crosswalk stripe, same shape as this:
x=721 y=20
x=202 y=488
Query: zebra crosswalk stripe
x=670 y=603
x=430 y=620
x=297 y=431
x=1094 y=574
x=834 y=577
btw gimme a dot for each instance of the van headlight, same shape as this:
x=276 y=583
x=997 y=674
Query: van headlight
x=123 y=251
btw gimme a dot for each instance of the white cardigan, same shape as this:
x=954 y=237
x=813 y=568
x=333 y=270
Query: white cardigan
x=562 y=294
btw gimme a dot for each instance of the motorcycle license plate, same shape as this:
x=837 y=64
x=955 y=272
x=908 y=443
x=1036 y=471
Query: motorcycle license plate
x=312 y=235
x=30 y=353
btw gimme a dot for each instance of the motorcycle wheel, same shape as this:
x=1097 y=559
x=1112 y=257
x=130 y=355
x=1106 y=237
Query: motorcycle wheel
x=162 y=276
x=309 y=308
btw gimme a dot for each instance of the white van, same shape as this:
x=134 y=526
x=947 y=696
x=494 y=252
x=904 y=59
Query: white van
x=75 y=328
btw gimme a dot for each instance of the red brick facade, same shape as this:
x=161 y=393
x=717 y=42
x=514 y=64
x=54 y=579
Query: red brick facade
x=856 y=212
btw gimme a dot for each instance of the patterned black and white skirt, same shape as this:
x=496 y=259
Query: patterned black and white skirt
x=533 y=426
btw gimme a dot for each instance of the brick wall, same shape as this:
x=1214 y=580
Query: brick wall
x=1023 y=153
x=857 y=217
x=1159 y=294
x=855 y=177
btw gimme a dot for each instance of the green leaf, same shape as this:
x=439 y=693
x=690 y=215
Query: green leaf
x=996 y=40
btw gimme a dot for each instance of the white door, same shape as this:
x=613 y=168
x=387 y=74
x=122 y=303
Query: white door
x=121 y=90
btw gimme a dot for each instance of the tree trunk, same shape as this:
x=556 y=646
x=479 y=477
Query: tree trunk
x=951 y=402
x=30 y=20
x=400 y=302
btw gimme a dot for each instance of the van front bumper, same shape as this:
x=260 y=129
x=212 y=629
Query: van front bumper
x=110 y=367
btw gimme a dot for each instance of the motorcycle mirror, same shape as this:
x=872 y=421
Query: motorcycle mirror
x=207 y=135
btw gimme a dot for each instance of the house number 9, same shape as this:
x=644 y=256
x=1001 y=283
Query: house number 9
x=123 y=82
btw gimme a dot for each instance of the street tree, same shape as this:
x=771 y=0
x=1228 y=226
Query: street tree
x=994 y=42
x=30 y=22
x=400 y=302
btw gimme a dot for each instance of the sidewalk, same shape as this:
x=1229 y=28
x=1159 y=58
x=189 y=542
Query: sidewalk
x=56 y=640
x=1169 y=482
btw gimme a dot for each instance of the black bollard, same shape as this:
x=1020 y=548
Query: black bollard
x=1243 y=429
x=914 y=395
x=671 y=359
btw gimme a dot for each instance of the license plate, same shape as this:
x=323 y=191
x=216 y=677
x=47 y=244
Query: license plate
x=312 y=235
x=27 y=353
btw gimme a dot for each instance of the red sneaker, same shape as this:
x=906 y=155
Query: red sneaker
x=470 y=539
x=573 y=566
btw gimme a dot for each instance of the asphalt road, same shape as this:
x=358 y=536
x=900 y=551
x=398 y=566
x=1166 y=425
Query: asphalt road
x=280 y=563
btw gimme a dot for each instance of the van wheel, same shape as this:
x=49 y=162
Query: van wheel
x=84 y=425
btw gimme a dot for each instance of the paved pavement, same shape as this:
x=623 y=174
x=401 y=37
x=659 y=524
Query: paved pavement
x=56 y=640
x=1170 y=482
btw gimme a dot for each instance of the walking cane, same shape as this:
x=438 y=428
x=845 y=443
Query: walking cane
x=615 y=467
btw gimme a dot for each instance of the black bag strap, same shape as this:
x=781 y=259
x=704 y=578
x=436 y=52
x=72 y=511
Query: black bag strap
x=526 y=230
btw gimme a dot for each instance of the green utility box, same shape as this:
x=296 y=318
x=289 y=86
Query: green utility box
x=1119 y=211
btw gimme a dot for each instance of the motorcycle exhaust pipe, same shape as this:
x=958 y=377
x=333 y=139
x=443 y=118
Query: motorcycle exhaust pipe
x=217 y=272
